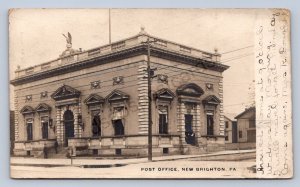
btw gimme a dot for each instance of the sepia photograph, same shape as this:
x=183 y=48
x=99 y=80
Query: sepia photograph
x=150 y=93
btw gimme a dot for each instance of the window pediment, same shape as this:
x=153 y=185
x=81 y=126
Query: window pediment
x=65 y=92
x=117 y=95
x=43 y=107
x=164 y=94
x=212 y=100
x=27 y=110
x=190 y=89
x=93 y=99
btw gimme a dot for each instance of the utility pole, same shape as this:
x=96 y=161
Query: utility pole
x=149 y=103
x=150 y=73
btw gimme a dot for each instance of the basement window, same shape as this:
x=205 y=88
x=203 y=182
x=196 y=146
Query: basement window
x=95 y=152
x=118 y=151
x=165 y=151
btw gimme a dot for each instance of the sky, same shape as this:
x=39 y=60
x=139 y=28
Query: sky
x=35 y=36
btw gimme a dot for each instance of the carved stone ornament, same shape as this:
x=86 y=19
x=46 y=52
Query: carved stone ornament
x=162 y=78
x=95 y=84
x=189 y=107
x=28 y=98
x=209 y=86
x=118 y=80
x=44 y=94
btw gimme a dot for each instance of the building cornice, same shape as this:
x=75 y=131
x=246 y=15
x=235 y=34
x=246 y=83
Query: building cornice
x=119 y=55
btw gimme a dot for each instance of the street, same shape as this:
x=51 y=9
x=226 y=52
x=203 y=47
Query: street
x=183 y=166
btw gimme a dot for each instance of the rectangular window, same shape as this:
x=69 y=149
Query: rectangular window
x=210 y=123
x=118 y=113
x=118 y=151
x=95 y=152
x=226 y=124
x=165 y=150
x=119 y=127
x=163 y=120
x=29 y=129
x=240 y=134
x=96 y=124
x=251 y=136
x=226 y=138
x=45 y=124
x=252 y=123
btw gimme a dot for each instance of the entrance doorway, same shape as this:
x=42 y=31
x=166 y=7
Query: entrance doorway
x=69 y=126
x=189 y=133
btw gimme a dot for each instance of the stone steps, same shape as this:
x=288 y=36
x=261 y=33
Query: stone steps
x=62 y=153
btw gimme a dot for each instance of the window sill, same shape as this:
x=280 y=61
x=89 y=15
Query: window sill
x=213 y=136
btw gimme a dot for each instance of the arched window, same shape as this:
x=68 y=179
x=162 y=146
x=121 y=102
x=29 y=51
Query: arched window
x=69 y=125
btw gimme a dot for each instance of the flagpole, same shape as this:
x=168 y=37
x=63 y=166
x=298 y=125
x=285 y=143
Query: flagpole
x=109 y=26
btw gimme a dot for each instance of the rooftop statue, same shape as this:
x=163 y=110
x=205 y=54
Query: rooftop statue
x=68 y=38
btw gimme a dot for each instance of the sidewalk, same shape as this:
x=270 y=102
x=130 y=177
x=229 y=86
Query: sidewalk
x=105 y=162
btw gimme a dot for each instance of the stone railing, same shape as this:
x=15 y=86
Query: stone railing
x=116 y=46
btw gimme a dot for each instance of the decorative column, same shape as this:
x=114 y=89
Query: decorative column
x=222 y=125
x=16 y=114
x=143 y=98
x=59 y=126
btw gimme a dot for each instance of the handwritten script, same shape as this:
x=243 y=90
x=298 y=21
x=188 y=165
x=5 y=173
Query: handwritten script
x=273 y=95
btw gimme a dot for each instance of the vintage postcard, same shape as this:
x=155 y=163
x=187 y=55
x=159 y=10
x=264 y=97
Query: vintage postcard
x=150 y=93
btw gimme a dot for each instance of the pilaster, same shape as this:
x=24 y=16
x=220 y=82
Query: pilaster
x=80 y=113
x=198 y=124
x=143 y=98
x=16 y=115
x=222 y=125
x=76 y=124
x=59 y=128
x=181 y=122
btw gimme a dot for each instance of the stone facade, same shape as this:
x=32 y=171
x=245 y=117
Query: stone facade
x=96 y=102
